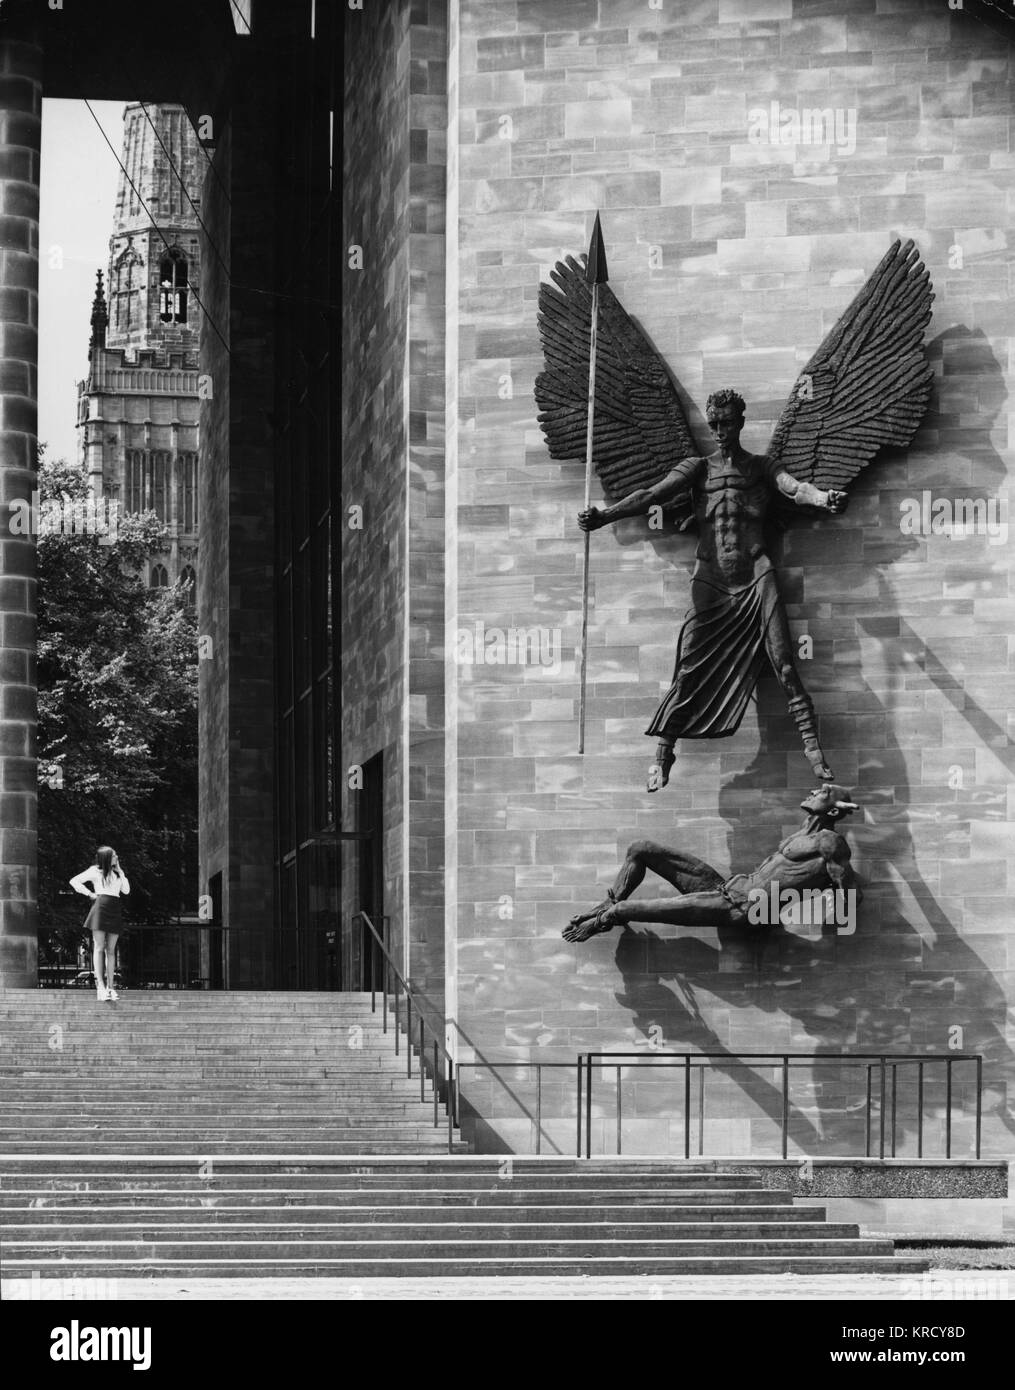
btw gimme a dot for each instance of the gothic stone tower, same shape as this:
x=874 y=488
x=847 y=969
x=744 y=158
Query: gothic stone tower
x=138 y=407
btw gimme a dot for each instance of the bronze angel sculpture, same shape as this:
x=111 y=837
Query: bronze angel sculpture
x=865 y=388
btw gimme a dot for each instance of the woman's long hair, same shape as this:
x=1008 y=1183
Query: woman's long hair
x=104 y=861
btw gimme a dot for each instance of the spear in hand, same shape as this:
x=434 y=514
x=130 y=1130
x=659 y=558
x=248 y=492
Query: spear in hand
x=595 y=275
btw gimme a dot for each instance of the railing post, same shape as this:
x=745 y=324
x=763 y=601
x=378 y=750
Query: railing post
x=785 y=1106
x=539 y=1107
x=884 y=1083
x=919 y=1110
x=687 y=1105
x=452 y=1106
x=436 y=1088
x=979 y=1102
x=894 y=1090
x=870 y=1099
x=588 y=1106
x=384 y=991
x=422 y=1062
x=948 y=1107
x=398 y=1020
x=701 y=1110
x=618 y=1111
x=408 y=1036
x=578 y=1105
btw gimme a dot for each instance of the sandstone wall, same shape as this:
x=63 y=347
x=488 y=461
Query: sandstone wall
x=736 y=258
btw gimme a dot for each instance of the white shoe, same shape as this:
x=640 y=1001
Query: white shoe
x=112 y=994
x=101 y=993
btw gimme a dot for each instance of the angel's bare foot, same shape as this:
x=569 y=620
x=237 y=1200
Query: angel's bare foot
x=817 y=761
x=591 y=924
x=659 y=772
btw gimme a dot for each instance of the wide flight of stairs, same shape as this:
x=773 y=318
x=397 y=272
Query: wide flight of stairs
x=185 y=1072
x=263 y=1135
x=422 y=1217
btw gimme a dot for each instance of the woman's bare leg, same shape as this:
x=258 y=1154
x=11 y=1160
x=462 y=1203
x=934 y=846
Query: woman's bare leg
x=111 y=939
x=98 y=962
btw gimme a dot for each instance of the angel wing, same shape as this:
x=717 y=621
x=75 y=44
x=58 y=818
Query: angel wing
x=640 y=430
x=867 y=385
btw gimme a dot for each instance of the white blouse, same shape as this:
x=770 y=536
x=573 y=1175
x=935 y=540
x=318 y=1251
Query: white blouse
x=113 y=886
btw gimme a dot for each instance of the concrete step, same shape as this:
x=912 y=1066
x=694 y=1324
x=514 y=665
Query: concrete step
x=134 y=1122
x=366 y=1142
x=227 y=1211
x=251 y=1112
x=132 y=1226
x=428 y=1268
x=355 y=1177
x=522 y=1264
x=61 y=1090
x=227 y=1245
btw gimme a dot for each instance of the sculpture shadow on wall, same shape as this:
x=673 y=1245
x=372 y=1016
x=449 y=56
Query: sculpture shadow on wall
x=908 y=976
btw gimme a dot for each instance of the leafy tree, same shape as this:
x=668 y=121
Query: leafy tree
x=117 y=682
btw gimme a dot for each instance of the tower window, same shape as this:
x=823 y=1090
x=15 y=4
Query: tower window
x=188 y=581
x=173 y=288
x=159 y=577
x=125 y=284
x=136 y=501
x=186 y=501
x=160 y=486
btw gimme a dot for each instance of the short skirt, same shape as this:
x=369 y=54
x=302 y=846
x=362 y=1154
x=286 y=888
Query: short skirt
x=106 y=914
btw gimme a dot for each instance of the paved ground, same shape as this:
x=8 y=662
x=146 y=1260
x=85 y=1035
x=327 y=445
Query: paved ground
x=937 y=1284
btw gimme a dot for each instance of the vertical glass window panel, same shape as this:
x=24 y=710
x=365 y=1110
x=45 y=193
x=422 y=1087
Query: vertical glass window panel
x=330 y=790
x=285 y=636
x=301 y=621
x=285 y=821
x=304 y=769
x=320 y=767
x=159 y=577
x=288 y=939
x=320 y=565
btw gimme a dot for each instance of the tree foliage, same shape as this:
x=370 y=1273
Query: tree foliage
x=117 y=682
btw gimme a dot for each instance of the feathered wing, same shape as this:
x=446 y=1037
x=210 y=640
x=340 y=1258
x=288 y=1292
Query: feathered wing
x=640 y=430
x=867 y=385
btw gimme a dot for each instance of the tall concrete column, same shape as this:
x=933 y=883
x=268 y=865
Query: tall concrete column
x=20 y=124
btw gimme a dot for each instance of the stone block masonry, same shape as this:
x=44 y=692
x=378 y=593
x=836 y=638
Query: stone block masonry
x=20 y=124
x=737 y=255
x=393 y=432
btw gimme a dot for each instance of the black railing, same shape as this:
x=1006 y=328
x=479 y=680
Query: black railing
x=157 y=956
x=431 y=1055
x=872 y=1062
x=497 y=1067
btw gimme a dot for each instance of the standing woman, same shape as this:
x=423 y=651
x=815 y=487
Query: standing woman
x=104 y=883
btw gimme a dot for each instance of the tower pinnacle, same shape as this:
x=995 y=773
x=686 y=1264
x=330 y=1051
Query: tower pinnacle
x=100 y=314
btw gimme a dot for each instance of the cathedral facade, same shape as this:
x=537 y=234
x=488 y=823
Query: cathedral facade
x=138 y=407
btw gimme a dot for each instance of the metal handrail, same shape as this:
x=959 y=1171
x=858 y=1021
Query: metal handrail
x=536 y=1119
x=872 y=1061
x=416 y=998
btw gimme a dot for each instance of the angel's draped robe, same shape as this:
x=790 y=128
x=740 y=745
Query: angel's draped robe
x=721 y=650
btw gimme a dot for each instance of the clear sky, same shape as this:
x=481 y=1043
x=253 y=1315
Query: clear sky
x=78 y=198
